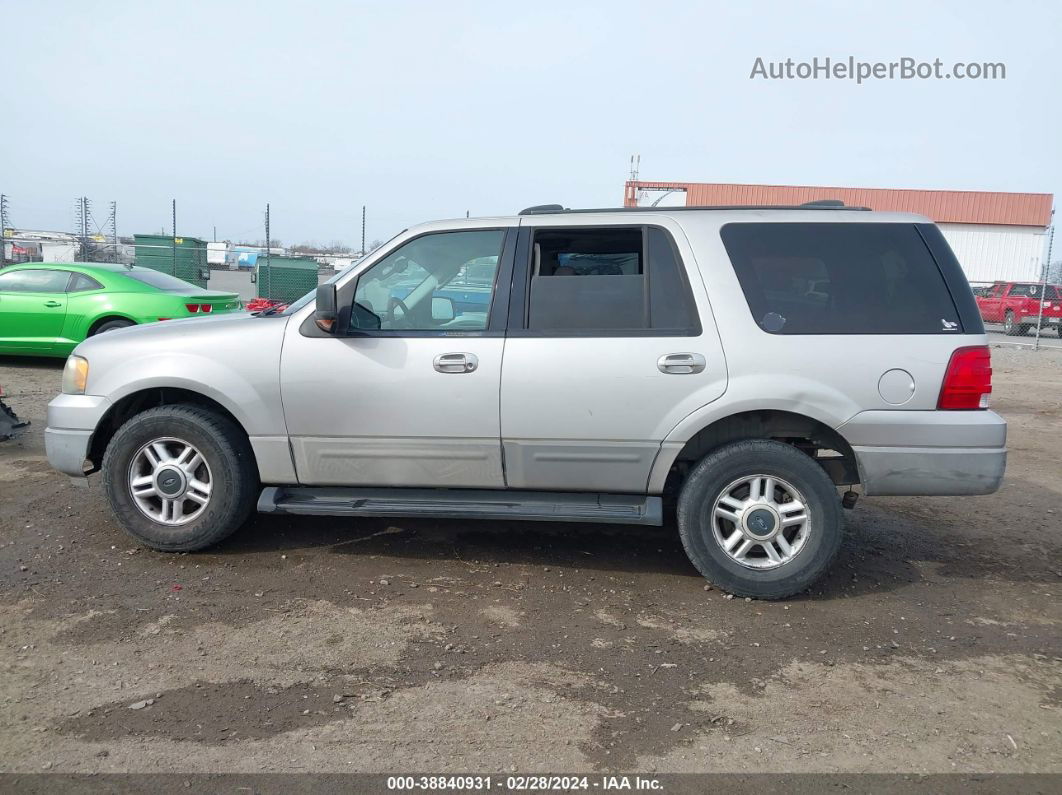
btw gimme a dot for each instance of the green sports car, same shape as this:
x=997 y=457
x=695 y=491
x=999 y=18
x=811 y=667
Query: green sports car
x=48 y=308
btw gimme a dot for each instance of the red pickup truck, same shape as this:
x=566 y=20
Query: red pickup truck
x=1017 y=306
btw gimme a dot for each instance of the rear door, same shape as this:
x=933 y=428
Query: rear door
x=611 y=342
x=32 y=309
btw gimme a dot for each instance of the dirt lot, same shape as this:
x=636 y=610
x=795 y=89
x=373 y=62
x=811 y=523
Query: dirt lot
x=328 y=645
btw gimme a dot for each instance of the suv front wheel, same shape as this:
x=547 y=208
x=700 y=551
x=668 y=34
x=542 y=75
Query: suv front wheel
x=180 y=478
x=760 y=518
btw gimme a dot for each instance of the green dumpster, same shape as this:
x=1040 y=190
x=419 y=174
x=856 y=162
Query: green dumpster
x=157 y=252
x=285 y=278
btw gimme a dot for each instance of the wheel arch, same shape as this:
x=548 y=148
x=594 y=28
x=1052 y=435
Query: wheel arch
x=106 y=318
x=810 y=435
x=136 y=402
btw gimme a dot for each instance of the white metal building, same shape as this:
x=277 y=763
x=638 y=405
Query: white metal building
x=997 y=252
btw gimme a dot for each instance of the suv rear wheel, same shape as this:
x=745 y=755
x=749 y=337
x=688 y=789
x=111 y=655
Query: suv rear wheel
x=760 y=518
x=180 y=478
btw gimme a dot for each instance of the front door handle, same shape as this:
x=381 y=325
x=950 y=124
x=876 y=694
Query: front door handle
x=681 y=363
x=456 y=362
x=52 y=303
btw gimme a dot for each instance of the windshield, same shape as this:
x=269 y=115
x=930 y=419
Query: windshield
x=163 y=281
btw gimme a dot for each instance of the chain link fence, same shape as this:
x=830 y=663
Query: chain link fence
x=262 y=269
x=1025 y=314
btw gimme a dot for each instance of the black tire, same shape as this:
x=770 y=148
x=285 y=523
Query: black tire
x=759 y=457
x=233 y=475
x=111 y=325
x=1011 y=327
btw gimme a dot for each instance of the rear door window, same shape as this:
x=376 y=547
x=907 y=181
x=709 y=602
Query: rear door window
x=840 y=278
x=608 y=279
x=589 y=278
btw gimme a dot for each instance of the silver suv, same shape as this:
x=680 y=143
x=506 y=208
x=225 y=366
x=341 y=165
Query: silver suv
x=753 y=365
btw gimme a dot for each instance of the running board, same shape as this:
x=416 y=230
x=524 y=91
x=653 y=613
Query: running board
x=543 y=506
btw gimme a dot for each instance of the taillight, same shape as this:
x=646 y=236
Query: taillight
x=206 y=308
x=968 y=380
x=193 y=308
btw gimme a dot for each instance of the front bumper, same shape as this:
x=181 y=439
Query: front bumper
x=72 y=419
x=926 y=453
x=67 y=450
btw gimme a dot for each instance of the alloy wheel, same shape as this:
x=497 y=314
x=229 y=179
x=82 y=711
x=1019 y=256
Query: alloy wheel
x=170 y=481
x=760 y=521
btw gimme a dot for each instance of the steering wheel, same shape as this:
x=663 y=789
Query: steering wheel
x=393 y=304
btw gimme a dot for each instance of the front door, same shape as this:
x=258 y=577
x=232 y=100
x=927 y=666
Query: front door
x=991 y=305
x=32 y=309
x=407 y=393
x=611 y=343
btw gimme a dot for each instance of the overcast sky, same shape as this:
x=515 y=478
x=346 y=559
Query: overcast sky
x=425 y=110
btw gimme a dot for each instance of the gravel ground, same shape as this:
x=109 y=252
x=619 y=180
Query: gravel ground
x=380 y=645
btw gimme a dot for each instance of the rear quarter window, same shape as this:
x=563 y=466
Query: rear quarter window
x=840 y=278
x=80 y=283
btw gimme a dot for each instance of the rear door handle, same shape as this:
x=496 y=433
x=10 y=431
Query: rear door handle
x=456 y=362
x=681 y=363
x=52 y=303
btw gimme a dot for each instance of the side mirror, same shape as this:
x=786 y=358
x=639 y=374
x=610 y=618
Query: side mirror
x=442 y=309
x=325 y=312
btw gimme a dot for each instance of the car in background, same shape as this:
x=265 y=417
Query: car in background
x=46 y=309
x=1017 y=306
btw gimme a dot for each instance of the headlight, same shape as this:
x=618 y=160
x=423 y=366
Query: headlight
x=75 y=375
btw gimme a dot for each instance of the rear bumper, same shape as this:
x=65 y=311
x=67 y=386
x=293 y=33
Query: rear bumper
x=72 y=419
x=915 y=453
x=916 y=471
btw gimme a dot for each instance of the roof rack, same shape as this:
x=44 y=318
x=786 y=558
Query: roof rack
x=820 y=204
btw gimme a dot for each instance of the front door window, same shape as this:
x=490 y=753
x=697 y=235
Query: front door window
x=436 y=282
